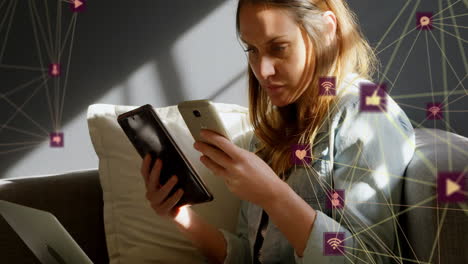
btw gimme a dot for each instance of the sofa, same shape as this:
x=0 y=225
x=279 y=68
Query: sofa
x=76 y=199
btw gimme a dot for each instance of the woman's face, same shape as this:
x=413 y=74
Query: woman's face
x=277 y=51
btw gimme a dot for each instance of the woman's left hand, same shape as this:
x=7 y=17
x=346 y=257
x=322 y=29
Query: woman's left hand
x=245 y=174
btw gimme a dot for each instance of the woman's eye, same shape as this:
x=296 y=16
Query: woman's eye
x=249 y=50
x=279 y=48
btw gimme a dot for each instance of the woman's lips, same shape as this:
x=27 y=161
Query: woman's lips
x=274 y=88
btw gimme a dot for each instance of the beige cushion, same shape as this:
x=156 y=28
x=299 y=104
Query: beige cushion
x=134 y=232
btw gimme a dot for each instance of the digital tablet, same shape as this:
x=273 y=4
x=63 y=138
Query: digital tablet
x=147 y=133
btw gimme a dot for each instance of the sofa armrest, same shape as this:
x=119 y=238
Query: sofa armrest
x=74 y=198
x=419 y=238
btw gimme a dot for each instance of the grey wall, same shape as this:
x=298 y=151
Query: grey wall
x=163 y=52
x=423 y=72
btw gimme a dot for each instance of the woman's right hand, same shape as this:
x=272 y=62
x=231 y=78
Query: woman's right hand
x=206 y=237
x=157 y=194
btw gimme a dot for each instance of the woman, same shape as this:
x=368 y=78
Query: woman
x=357 y=155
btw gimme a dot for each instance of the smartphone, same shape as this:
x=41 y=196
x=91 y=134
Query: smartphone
x=202 y=114
x=147 y=133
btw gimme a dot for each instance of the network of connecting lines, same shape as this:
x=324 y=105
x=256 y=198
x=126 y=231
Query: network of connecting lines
x=52 y=46
x=432 y=27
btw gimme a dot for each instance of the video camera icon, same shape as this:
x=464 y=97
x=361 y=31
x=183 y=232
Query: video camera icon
x=373 y=97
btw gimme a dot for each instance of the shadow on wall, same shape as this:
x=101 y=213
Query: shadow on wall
x=111 y=41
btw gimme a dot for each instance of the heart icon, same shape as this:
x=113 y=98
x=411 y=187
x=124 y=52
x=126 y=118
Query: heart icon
x=300 y=153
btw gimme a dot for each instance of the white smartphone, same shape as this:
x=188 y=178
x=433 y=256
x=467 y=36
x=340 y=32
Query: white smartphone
x=202 y=114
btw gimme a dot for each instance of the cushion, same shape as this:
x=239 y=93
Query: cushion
x=436 y=150
x=134 y=232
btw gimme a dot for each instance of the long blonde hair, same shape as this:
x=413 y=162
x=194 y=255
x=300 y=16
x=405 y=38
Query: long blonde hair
x=278 y=128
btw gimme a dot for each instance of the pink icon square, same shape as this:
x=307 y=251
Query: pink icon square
x=451 y=187
x=56 y=140
x=336 y=199
x=301 y=154
x=333 y=243
x=373 y=97
x=54 y=69
x=424 y=20
x=434 y=111
x=327 y=86
x=78 y=5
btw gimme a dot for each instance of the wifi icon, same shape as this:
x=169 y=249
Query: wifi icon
x=333 y=243
x=327 y=86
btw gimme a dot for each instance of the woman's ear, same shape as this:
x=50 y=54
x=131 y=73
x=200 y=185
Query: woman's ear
x=330 y=22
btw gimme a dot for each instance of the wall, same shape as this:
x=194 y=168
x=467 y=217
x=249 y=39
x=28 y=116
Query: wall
x=163 y=52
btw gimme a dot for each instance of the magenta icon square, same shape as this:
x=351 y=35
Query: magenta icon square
x=333 y=243
x=54 y=69
x=373 y=97
x=300 y=154
x=336 y=199
x=451 y=187
x=56 y=139
x=78 y=5
x=327 y=86
x=434 y=111
x=424 y=20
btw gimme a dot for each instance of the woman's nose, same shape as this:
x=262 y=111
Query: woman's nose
x=267 y=68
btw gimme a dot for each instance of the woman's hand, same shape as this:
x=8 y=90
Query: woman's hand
x=245 y=174
x=157 y=194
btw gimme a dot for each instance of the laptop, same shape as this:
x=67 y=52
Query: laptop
x=43 y=234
